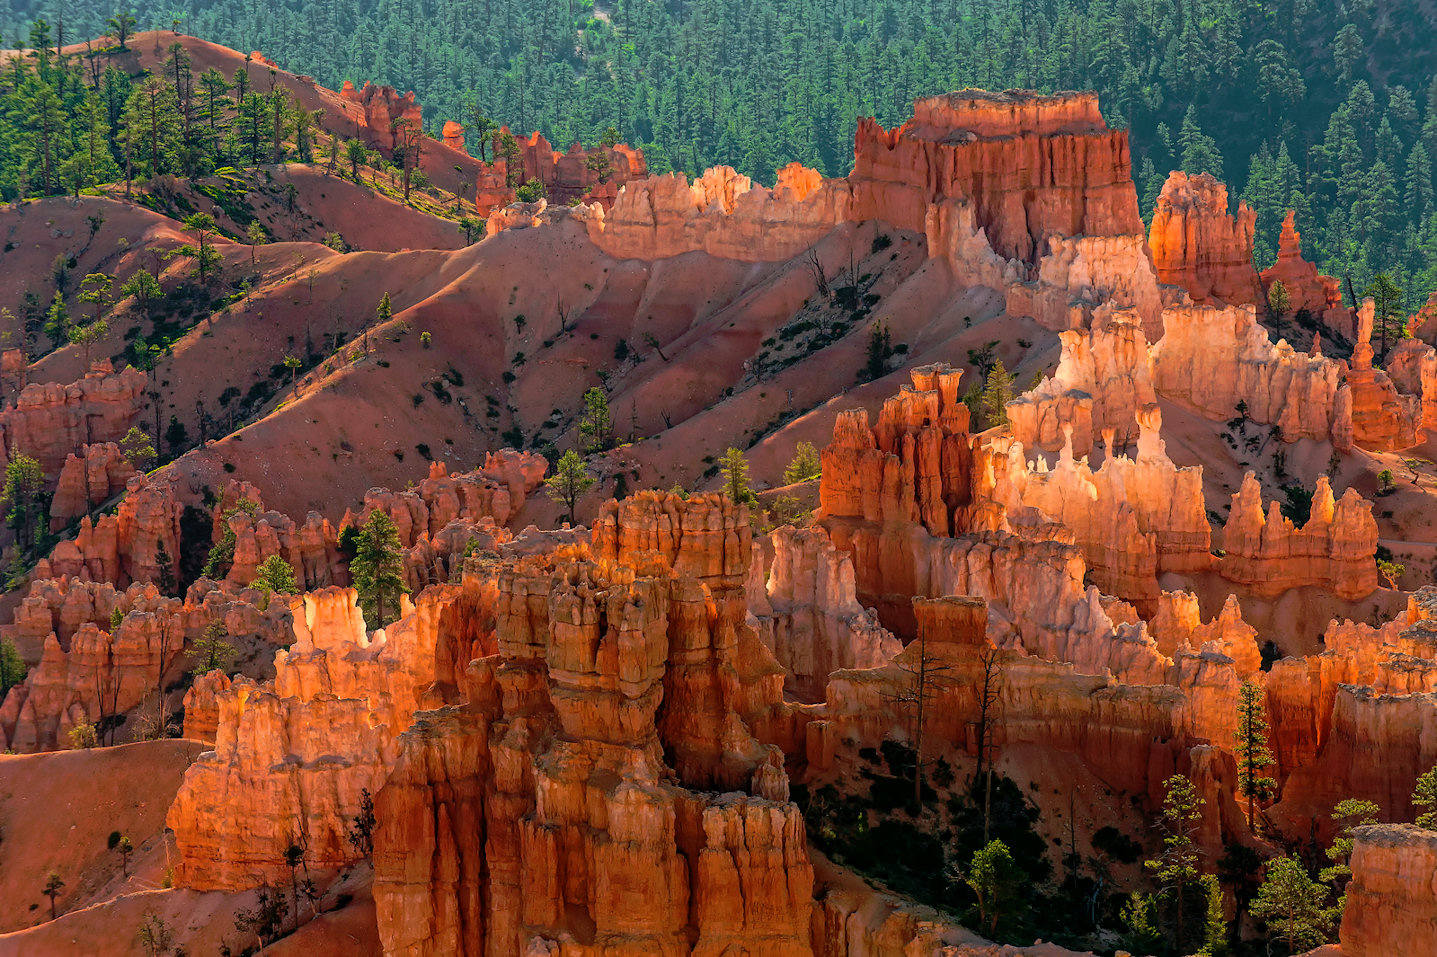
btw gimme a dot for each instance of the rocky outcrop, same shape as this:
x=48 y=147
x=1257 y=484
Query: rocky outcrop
x=721 y=213
x=544 y=816
x=376 y=110
x=293 y=756
x=1392 y=899
x=109 y=652
x=1412 y=367
x=1370 y=412
x=139 y=542
x=594 y=175
x=1306 y=288
x=1199 y=246
x=453 y=135
x=50 y=421
x=1212 y=358
x=809 y=616
x=88 y=480
x=1031 y=166
x=1134 y=518
x=1269 y=554
x=1104 y=377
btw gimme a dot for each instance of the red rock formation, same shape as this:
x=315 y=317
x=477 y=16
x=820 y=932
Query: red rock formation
x=1412 y=367
x=1104 y=377
x=1197 y=245
x=1134 y=518
x=720 y=213
x=87 y=481
x=1031 y=166
x=1306 y=288
x=1370 y=412
x=454 y=135
x=293 y=756
x=14 y=373
x=1423 y=323
x=1392 y=899
x=590 y=844
x=809 y=615
x=376 y=109
x=92 y=670
x=1210 y=359
x=591 y=175
x=1334 y=550
x=50 y=421
x=140 y=542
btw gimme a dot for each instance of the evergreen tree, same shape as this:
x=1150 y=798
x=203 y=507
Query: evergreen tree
x=1293 y=905
x=997 y=393
x=1199 y=151
x=24 y=498
x=805 y=466
x=378 y=569
x=570 y=481
x=1425 y=796
x=1176 y=868
x=596 y=425
x=997 y=881
x=734 y=468
x=213 y=651
x=12 y=667
x=276 y=575
x=1253 y=755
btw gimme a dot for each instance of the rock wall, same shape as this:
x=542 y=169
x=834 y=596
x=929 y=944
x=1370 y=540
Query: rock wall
x=1104 y=377
x=1392 y=899
x=594 y=175
x=139 y=542
x=1199 y=246
x=809 y=616
x=88 y=480
x=50 y=422
x=1370 y=412
x=376 y=109
x=1134 y=518
x=293 y=756
x=1269 y=554
x=1306 y=288
x=544 y=816
x=721 y=213
x=1211 y=358
x=1032 y=166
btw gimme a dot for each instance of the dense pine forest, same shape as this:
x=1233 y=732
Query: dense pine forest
x=1328 y=107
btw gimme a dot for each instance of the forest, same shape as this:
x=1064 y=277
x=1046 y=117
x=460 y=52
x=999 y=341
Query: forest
x=1326 y=107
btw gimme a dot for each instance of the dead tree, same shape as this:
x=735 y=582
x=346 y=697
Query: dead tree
x=990 y=693
x=815 y=264
x=922 y=668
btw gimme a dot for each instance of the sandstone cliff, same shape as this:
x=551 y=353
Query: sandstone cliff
x=1199 y=246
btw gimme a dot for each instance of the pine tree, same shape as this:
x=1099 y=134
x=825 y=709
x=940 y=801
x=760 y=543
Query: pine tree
x=378 y=569
x=1425 y=797
x=274 y=574
x=213 y=651
x=734 y=468
x=570 y=481
x=1293 y=905
x=12 y=666
x=24 y=498
x=1253 y=755
x=1176 y=868
x=997 y=393
x=1199 y=151
x=596 y=425
x=805 y=466
x=1347 y=816
x=997 y=881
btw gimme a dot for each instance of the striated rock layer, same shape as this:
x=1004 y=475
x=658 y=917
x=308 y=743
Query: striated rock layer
x=1392 y=899
x=1198 y=245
